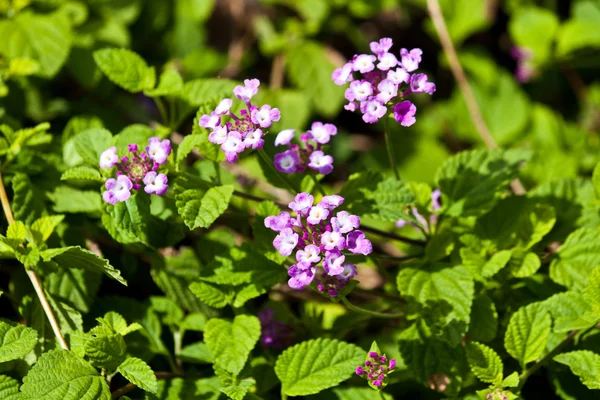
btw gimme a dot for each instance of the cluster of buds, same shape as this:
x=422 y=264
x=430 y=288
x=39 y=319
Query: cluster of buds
x=136 y=169
x=319 y=237
x=525 y=70
x=376 y=369
x=385 y=81
x=240 y=132
x=498 y=394
x=421 y=222
x=274 y=334
x=308 y=153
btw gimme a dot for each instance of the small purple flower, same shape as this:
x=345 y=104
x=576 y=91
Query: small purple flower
x=387 y=61
x=246 y=92
x=404 y=112
x=381 y=47
x=321 y=133
x=320 y=162
x=223 y=107
x=373 y=110
x=332 y=201
x=420 y=84
x=155 y=183
x=364 y=63
x=342 y=75
x=279 y=222
x=132 y=148
x=359 y=90
x=286 y=162
x=435 y=199
x=109 y=158
x=317 y=214
x=349 y=272
x=232 y=146
x=265 y=116
x=209 y=121
x=308 y=256
x=158 y=150
x=358 y=243
x=300 y=277
x=334 y=262
x=398 y=76
x=254 y=139
x=302 y=203
x=359 y=371
x=377 y=382
x=411 y=59
x=387 y=91
x=218 y=135
x=286 y=241
x=117 y=189
x=525 y=70
x=333 y=240
x=344 y=222
x=284 y=137
x=400 y=223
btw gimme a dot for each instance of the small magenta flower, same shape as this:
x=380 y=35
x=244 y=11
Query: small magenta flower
x=525 y=70
x=308 y=153
x=318 y=235
x=236 y=133
x=385 y=87
x=376 y=368
x=109 y=158
x=135 y=169
x=423 y=224
x=117 y=189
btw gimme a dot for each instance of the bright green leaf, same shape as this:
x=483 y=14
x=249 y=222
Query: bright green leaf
x=484 y=362
x=139 y=373
x=82 y=173
x=15 y=341
x=126 y=69
x=527 y=333
x=583 y=363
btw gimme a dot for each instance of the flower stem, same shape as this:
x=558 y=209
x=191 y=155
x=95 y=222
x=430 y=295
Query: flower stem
x=388 y=145
x=282 y=177
x=161 y=110
x=376 y=314
x=35 y=280
x=381 y=394
x=318 y=185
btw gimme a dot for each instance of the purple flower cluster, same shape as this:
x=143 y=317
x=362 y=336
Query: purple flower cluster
x=525 y=70
x=308 y=153
x=422 y=223
x=376 y=368
x=240 y=132
x=136 y=169
x=274 y=334
x=497 y=394
x=385 y=81
x=319 y=236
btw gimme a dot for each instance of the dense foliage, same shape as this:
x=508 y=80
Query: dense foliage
x=260 y=199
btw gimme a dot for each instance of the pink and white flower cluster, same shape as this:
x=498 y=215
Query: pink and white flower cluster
x=319 y=236
x=376 y=369
x=136 y=169
x=384 y=81
x=240 y=132
x=308 y=153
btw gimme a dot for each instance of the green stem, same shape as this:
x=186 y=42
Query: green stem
x=528 y=372
x=282 y=177
x=381 y=394
x=217 y=172
x=369 y=312
x=393 y=258
x=318 y=185
x=388 y=145
x=161 y=109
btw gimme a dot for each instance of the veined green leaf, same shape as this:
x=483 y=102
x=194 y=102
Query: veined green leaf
x=9 y=388
x=230 y=385
x=82 y=173
x=15 y=341
x=484 y=362
x=527 y=333
x=126 y=69
x=583 y=363
x=199 y=207
x=576 y=258
x=139 y=373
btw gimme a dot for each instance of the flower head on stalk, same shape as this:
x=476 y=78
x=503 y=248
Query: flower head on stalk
x=136 y=169
x=420 y=222
x=308 y=153
x=383 y=83
x=239 y=132
x=274 y=334
x=321 y=237
x=376 y=368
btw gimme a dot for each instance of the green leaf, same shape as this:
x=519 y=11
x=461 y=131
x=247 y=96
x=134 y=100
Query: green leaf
x=580 y=30
x=90 y=144
x=315 y=77
x=576 y=258
x=527 y=333
x=194 y=322
x=27 y=203
x=173 y=314
x=446 y=292
x=82 y=173
x=591 y=292
x=17 y=232
x=199 y=207
x=207 y=93
x=139 y=373
x=46 y=225
x=76 y=257
x=315 y=365
x=512 y=380
x=170 y=84
x=473 y=181
x=126 y=69
x=484 y=362
x=230 y=385
x=116 y=322
x=72 y=378
x=596 y=180
x=211 y=294
x=105 y=348
x=197 y=353
x=484 y=320
x=133 y=134
x=9 y=388
x=583 y=363
x=534 y=29
x=16 y=341
x=47 y=38
x=189 y=143
x=69 y=200
x=230 y=343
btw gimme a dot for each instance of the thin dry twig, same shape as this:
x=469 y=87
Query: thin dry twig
x=33 y=277
x=459 y=74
